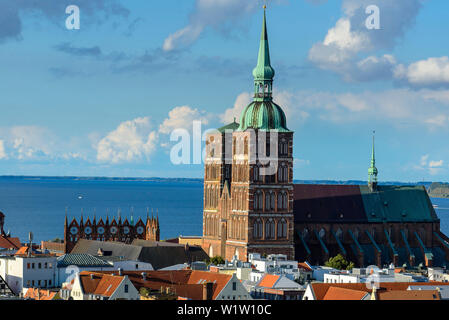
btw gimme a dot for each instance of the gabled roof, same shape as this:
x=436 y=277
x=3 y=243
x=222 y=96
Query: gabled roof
x=40 y=294
x=409 y=295
x=351 y=203
x=336 y=293
x=320 y=289
x=185 y=283
x=98 y=283
x=9 y=243
x=268 y=281
x=159 y=254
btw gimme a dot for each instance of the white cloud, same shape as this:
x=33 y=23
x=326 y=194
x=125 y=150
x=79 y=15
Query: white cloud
x=242 y=101
x=399 y=107
x=2 y=150
x=344 y=45
x=182 y=118
x=132 y=141
x=429 y=72
x=209 y=13
x=433 y=167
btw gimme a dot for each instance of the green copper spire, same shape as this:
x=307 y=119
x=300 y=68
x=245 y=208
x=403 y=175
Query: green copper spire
x=372 y=171
x=263 y=113
x=263 y=73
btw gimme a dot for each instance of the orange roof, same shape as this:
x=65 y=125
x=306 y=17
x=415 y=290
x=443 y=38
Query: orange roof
x=268 y=281
x=40 y=294
x=409 y=295
x=186 y=283
x=219 y=280
x=320 y=289
x=99 y=283
x=22 y=251
x=9 y=243
x=303 y=265
x=335 y=293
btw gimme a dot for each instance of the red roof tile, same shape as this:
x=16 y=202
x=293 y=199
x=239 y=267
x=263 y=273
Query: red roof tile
x=305 y=266
x=335 y=293
x=40 y=294
x=9 y=243
x=268 y=281
x=320 y=289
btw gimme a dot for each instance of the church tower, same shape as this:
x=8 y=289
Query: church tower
x=372 y=172
x=248 y=199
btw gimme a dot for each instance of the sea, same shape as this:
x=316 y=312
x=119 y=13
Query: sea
x=40 y=204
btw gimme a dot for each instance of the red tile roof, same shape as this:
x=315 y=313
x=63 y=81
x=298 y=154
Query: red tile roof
x=98 y=283
x=9 y=243
x=304 y=266
x=335 y=293
x=409 y=295
x=185 y=283
x=268 y=281
x=320 y=289
x=40 y=294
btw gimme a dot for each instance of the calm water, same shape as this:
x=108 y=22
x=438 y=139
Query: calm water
x=38 y=205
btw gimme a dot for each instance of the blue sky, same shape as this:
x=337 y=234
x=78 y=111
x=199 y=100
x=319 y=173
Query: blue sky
x=103 y=100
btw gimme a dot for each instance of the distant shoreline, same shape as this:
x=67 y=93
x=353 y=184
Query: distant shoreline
x=180 y=179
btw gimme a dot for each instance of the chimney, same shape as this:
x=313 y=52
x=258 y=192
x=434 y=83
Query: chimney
x=144 y=276
x=120 y=271
x=208 y=290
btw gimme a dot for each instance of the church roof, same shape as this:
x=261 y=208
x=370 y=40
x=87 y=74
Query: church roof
x=263 y=115
x=357 y=204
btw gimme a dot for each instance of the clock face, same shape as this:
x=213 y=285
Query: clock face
x=73 y=230
x=139 y=229
x=113 y=230
x=87 y=230
x=125 y=230
x=100 y=230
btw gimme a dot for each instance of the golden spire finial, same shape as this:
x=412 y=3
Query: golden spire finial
x=264 y=6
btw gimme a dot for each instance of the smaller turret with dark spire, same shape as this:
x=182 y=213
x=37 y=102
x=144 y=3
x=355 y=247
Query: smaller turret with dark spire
x=372 y=171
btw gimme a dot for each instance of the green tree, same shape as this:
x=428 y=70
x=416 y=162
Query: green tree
x=145 y=292
x=339 y=262
x=217 y=260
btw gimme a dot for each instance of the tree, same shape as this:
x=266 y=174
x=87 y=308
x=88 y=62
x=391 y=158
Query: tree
x=339 y=262
x=145 y=292
x=217 y=260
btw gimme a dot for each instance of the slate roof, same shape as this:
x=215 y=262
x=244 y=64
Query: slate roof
x=81 y=260
x=159 y=254
x=356 y=204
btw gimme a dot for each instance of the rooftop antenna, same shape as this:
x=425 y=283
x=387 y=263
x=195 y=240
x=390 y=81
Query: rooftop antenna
x=30 y=246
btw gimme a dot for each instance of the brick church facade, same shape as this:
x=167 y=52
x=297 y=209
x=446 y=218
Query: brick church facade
x=109 y=230
x=252 y=206
x=248 y=200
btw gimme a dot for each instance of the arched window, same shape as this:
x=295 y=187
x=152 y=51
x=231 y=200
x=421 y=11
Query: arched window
x=267 y=201
x=281 y=201
x=257 y=231
x=282 y=229
x=285 y=201
x=273 y=200
x=270 y=229
x=285 y=177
